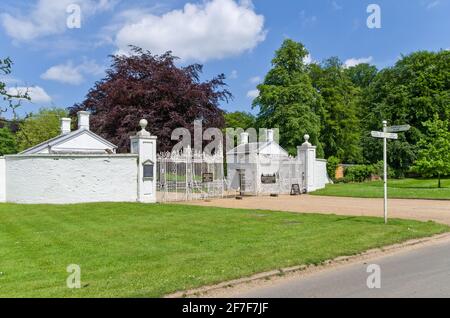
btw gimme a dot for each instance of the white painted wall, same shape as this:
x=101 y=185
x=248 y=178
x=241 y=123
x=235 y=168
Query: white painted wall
x=71 y=178
x=2 y=180
x=320 y=174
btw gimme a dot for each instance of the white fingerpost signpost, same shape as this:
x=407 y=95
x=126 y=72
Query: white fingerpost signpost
x=387 y=133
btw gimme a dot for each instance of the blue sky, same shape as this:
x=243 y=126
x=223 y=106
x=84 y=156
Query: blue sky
x=237 y=38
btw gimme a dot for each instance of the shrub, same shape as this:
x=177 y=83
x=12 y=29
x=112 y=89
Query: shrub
x=378 y=169
x=358 y=173
x=332 y=164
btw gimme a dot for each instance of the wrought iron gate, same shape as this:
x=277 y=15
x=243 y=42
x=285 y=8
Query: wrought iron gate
x=189 y=175
x=289 y=172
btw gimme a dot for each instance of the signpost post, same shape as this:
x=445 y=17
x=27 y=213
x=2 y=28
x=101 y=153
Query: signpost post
x=385 y=170
x=387 y=133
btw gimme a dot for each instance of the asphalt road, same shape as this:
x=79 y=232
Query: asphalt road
x=420 y=272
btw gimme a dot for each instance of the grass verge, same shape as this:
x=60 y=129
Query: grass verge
x=137 y=250
x=400 y=189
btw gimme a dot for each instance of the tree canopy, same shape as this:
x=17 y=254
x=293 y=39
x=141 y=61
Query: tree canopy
x=339 y=106
x=411 y=92
x=434 y=150
x=288 y=100
x=8 y=144
x=340 y=132
x=39 y=127
x=239 y=119
x=143 y=85
x=361 y=75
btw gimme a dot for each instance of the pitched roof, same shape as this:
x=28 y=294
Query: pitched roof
x=255 y=147
x=62 y=138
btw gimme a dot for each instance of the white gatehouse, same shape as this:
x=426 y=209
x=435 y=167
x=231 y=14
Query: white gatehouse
x=255 y=168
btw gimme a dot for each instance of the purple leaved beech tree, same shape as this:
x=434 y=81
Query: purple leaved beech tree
x=148 y=86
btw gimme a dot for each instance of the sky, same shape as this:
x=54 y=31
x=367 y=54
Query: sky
x=59 y=57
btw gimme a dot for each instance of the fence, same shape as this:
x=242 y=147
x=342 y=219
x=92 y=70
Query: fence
x=189 y=175
x=290 y=172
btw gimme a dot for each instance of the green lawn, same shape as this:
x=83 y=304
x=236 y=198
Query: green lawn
x=136 y=250
x=397 y=188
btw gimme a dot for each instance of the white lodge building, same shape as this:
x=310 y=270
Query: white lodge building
x=265 y=167
x=80 y=166
x=80 y=141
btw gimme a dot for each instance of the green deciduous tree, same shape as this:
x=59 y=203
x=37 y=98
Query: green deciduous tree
x=434 y=150
x=39 y=127
x=287 y=99
x=411 y=92
x=7 y=142
x=238 y=119
x=362 y=74
x=340 y=133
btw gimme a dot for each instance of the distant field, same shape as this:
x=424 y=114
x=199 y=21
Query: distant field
x=401 y=188
x=139 y=250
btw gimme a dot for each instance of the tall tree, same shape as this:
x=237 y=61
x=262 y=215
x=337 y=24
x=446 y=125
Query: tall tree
x=39 y=127
x=238 y=119
x=362 y=74
x=7 y=142
x=340 y=132
x=411 y=92
x=288 y=101
x=434 y=150
x=149 y=86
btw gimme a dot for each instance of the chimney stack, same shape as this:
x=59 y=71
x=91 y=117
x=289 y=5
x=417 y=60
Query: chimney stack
x=65 y=125
x=244 y=138
x=83 y=120
x=269 y=135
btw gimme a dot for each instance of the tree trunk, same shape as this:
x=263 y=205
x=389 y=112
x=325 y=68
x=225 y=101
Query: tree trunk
x=439 y=180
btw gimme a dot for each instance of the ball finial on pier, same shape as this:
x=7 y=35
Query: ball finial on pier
x=143 y=123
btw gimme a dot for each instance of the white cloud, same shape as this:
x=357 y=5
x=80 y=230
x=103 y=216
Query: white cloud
x=210 y=30
x=64 y=73
x=433 y=4
x=72 y=74
x=255 y=80
x=48 y=17
x=234 y=74
x=36 y=93
x=355 y=61
x=308 y=59
x=306 y=19
x=253 y=93
x=336 y=5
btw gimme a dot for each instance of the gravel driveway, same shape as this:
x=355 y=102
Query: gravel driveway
x=424 y=210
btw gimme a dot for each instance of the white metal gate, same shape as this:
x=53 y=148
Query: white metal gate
x=290 y=172
x=189 y=175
